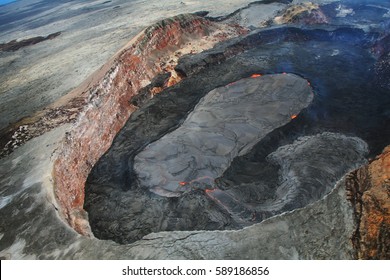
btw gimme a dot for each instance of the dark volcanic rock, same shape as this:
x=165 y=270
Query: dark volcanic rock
x=138 y=213
x=382 y=67
x=138 y=210
x=306 y=171
x=338 y=64
x=14 y=45
x=227 y=122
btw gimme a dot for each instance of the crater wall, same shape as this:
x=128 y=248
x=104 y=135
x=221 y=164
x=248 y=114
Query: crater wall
x=107 y=106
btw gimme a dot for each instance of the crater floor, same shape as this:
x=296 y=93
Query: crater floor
x=220 y=150
x=225 y=123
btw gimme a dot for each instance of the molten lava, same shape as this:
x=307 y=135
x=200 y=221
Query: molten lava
x=256 y=75
x=293 y=117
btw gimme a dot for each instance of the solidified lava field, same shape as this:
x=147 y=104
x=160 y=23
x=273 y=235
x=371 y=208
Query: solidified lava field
x=261 y=124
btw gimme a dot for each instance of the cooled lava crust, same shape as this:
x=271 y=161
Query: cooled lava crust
x=185 y=161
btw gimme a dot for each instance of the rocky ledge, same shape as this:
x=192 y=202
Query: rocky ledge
x=369 y=191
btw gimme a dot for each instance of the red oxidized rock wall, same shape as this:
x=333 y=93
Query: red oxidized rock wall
x=369 y=191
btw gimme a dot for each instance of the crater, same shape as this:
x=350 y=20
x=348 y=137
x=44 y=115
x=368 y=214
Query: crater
x=260 y=124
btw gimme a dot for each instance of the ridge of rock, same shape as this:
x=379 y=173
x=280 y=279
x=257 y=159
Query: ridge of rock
x=369 y=190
